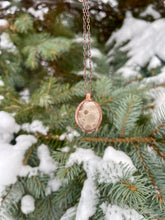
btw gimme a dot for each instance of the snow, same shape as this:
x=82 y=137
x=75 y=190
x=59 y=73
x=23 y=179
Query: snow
x=145 y=41
x=5 y=42
x=96 y=53
x=12 y=10
x=80 y=39
x=35 y=127
x=113 y=3
x=69 y=135
x=118 y=213
x=11 y=159
x=69 y=214
x=108 y=169
x=151 y=11
x=8 y=126
x=3 y=23
x=88 y=201
x=154 y=63
x=12 y=156
x=158 y=79
x=1 y=83
x=157 y=94
x=53 y=185
x=65 y=149
x=117 y=156
x=1 y=98
x=38 y=13
x=25 y=95
x=27 y=204
x=4 y=4
x=47 y=164
x=130 y=28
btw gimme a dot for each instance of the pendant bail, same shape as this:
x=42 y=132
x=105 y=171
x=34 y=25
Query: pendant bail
x=88 y=96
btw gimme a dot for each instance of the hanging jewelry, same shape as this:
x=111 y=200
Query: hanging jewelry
x=88 y=113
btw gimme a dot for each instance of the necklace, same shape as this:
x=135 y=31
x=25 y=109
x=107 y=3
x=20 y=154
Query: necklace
x=88 y=113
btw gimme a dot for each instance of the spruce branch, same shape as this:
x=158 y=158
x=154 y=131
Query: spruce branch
x=24 y=23
x=132 y=91
x=43 y=45
x=158 y=151
x=120 y=140
x=158 y=192
x=130 y=186
x=157 y=129
x=126 y=117
x=4 y=197
x=28 y=155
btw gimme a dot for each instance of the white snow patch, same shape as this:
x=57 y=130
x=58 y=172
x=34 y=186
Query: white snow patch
x=109 y=169
x=3 y=23
x=25 y=95
x=129 y=71
x=27 y=204
x=110 y=154
x=69 y=214
x=38 y=13
x=119 y=213
x=145 y=40
x=1 y=97
x=4 y=4
x=158 y=94
x=96 y=52
x=65 y=149
x=28 y=170
x=8 y=126
x=12 y=10
x=113 y=3
x=154 y=63
x=69 y=135
x=34 y=127
x=88 y=200
x=100 y=15
x=158 y=79
x=151 y=11
x=47 y=164
x=6 y=43
x=130 y=28
x=11 y=159
x=80 y=39
x=1 y=83
x=53 y=185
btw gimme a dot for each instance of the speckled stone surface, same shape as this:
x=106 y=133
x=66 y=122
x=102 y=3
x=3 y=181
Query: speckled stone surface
x=89 y=115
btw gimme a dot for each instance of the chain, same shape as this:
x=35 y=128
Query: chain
x=87 y=45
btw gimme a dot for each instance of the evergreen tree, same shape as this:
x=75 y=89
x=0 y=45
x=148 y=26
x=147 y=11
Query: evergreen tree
x=49 y=168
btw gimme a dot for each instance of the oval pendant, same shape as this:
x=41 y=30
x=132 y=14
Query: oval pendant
x=88 y=115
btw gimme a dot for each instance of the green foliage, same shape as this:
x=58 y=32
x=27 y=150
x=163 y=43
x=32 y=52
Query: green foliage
x=103 y=87
x=127 y=114
x=24 y=23
x=36 y=185
x=45 y=46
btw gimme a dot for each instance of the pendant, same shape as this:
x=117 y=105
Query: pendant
x=88 y=115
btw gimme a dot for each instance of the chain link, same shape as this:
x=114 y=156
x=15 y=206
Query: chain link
x=87 y=45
